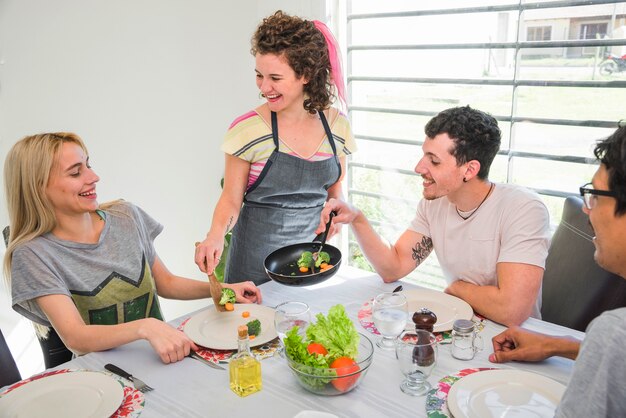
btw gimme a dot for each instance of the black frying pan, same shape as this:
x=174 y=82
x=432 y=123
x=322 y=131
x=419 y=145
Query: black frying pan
x=281 y=265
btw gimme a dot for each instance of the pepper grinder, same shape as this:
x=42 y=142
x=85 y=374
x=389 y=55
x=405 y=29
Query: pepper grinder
x=425 y=319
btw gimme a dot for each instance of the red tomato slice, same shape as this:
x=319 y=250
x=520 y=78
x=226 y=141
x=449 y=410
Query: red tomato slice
x=344 y=366
x=316 y=348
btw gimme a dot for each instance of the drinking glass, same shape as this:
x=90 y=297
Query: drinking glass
x=390 y=313
x=289 y=315
x=416 y=352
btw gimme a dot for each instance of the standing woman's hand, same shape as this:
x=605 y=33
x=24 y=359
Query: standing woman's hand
x=208 y=254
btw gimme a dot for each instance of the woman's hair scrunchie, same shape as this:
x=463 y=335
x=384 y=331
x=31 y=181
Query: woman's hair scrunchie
x=336 y=73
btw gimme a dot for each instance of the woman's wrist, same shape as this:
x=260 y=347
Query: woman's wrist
x=143 y=326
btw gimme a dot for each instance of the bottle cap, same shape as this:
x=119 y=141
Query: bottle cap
x=242 y=331
x=463 y=325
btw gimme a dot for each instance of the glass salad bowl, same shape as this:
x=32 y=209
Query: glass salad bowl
x=334 y=381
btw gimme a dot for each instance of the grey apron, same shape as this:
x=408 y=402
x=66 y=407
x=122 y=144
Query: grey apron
x=281 y=208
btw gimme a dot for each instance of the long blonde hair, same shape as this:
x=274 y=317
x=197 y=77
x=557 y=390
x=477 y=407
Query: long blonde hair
x=26 y=172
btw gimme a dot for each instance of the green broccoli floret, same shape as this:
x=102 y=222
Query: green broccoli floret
x=254 y=327
x=306 y=259
x=228 y=295
x=322 y=257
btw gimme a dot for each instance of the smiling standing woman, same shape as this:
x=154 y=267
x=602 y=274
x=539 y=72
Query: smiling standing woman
x=90 y=271
x=285 y=158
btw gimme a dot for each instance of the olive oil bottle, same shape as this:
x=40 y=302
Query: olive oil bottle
x=245 y=369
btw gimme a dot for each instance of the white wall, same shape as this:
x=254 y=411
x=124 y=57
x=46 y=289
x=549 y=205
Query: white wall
x=150 y=85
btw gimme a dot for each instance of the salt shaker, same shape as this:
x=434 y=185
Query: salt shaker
x=465 y=340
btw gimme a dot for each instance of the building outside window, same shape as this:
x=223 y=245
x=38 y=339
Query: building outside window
x=592 y=30
x=524 y=63
x=539 y=33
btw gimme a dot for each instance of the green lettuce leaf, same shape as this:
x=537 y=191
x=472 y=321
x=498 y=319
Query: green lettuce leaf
x=336 y=333
x=295 y=347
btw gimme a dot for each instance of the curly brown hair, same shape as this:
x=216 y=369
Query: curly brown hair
x=305 y=49
x=476 y=135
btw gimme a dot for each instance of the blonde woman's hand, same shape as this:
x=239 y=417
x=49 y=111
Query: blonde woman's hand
x=170 y=344
x=246 y=292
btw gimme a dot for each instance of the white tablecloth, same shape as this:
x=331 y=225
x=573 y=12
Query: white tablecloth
x=191 y=389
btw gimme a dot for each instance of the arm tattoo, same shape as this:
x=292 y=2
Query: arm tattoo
x=421 y=250
x=230 y=222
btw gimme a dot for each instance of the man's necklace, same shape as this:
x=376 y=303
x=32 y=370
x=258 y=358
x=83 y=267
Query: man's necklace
x=458 y=212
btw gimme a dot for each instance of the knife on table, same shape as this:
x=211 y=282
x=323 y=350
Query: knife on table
x=198 y=357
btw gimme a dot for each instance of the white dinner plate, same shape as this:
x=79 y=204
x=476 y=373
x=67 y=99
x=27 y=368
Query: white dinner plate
x=448 y=308
x=218 y=330
x=504 y=394
x=314 y=414
x=73 y=394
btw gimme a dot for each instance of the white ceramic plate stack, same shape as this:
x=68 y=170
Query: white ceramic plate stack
x=505 y=394
x=73 y=394
x=218 y=330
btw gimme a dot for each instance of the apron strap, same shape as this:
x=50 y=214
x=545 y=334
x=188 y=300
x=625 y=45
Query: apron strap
x=329 y=133
x=275 y=129
x=331 y=139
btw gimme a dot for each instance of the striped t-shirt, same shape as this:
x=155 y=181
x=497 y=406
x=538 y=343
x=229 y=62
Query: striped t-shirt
x=250 y=138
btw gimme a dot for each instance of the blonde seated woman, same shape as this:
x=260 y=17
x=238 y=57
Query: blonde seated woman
x=88 y=270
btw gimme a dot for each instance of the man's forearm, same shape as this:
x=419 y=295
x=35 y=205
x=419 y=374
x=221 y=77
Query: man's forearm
x=567 y=347
x=490 y=302
x=378 y=251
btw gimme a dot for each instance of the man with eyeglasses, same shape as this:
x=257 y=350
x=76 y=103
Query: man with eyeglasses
x=598 y=385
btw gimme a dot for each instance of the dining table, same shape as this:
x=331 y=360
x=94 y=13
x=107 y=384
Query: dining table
x=189 y=388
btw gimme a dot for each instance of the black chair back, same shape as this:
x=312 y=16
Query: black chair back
x=54 y=350
x=9 y=373
x=575 y=288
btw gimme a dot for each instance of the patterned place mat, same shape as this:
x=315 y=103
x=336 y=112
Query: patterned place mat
x=366 y=321
x=131 y=406
x=221 y=356
x=436 y=399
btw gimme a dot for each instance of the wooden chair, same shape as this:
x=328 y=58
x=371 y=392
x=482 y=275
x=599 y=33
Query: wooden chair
x=9 y=373
x=575 y=288
x=54 y=350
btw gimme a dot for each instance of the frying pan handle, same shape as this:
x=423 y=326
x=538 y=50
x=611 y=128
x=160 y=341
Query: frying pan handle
x=322 y=237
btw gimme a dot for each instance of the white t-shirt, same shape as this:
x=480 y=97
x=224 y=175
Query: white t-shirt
x=512 y=225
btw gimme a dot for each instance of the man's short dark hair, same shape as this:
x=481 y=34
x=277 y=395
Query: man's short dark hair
x=612 y=153
x=476 y=135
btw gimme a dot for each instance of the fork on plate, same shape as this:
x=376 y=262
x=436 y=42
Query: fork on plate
x=139 y=384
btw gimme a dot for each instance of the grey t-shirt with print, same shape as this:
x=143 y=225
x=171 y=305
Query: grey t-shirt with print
x=110 y=282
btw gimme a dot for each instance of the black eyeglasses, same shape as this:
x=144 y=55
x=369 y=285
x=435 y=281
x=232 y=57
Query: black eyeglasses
x=590 y=195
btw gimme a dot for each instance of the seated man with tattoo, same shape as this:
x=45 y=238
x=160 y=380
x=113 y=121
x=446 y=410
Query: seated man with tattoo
x=491 y=239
